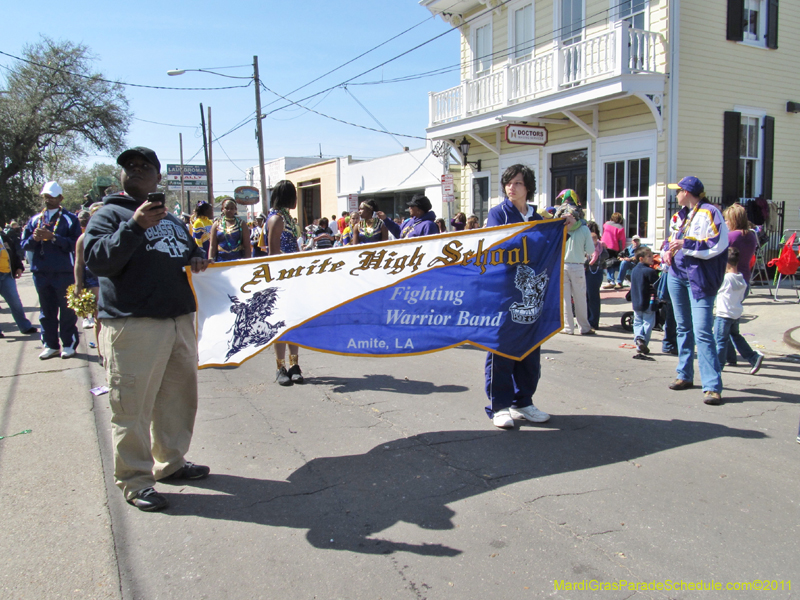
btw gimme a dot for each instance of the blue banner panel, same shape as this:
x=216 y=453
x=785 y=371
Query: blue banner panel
x=504 y=298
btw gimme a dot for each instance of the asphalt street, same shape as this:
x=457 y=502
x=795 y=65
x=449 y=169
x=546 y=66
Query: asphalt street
x=384 y=479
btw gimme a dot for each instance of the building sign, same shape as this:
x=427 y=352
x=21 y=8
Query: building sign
x=195 y=178
x=526 y=134
x=352 y=202
x=448 y=188
x=246 y=195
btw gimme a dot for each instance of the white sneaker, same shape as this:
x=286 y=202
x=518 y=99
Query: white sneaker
x=757 y=365
x=48 y=353
x=88 y=322
x=503 y=420
x=68 y=353
x=531 y=413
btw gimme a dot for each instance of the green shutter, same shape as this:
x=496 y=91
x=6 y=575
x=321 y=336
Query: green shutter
x=772 y=24
x=730 y=158
x=769 y=156
x=735 y=20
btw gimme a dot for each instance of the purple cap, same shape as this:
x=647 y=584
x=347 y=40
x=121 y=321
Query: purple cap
x=690 y=184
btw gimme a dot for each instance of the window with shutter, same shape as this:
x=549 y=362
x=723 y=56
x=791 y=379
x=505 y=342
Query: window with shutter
x=747 y=163
x=753 y=22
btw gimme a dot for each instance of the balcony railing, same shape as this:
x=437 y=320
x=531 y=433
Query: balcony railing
x=620 y=50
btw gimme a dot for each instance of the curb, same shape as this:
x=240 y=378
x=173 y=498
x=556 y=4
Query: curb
x=789 y=340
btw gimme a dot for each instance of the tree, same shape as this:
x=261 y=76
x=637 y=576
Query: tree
x=53 y=110
x=82 y=180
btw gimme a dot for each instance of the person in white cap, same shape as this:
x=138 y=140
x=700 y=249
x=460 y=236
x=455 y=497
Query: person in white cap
x=51 y=237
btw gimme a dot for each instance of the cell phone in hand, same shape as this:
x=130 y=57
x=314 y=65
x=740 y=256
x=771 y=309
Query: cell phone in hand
x=156 y=198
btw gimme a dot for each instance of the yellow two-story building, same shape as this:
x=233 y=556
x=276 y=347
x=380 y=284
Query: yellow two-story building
x=617 y=98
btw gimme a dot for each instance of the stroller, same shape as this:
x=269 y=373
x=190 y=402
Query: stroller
x=660 y=305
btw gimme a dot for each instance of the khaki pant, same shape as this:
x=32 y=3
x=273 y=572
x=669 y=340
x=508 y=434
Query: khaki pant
x=575 y=288
x=151 y=366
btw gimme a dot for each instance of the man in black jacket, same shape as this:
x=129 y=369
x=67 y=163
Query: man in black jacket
x=139 y=251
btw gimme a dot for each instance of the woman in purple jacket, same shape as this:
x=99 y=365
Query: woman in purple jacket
x=421 y=222
x=697 y=255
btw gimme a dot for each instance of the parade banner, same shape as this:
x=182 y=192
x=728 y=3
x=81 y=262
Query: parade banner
x=496 y=288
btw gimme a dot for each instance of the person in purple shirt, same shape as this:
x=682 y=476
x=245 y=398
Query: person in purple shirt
x=697 y=255
x=745 y=240
x=511 y=384
x=421 y=222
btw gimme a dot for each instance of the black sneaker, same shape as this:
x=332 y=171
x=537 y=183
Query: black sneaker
x=189 y=470
x=282 y=377
x=641 y=346
x=295 y=374
x=30 y=331
x=149 y=500
x=1 y=335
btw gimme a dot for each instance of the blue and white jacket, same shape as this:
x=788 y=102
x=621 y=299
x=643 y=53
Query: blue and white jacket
x=705 y=249
x=506 y=212
x=56 y=255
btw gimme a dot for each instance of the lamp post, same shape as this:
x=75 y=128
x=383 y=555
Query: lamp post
x=259 y=117
x=464 y=147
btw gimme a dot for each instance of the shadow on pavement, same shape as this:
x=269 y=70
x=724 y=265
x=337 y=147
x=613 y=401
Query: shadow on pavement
x=345 y=500
x=386 y=383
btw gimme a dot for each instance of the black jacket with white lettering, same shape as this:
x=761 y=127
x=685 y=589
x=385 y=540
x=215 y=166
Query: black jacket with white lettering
x=141 y=271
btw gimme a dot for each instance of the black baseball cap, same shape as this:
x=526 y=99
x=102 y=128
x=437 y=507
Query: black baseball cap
x=420 y=201
x=146 y=153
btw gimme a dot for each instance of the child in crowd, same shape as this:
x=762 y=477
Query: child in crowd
x=729 y=308
x=643 y=279
x=627 y=260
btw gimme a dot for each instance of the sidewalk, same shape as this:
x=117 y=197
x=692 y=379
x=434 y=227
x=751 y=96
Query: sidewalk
x=770 y=327
x=56 y=537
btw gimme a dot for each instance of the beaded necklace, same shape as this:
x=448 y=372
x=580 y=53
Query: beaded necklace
x=370 y=227
x=51 y=225
x=53 y=222
x=228 y=232
x=679 y=235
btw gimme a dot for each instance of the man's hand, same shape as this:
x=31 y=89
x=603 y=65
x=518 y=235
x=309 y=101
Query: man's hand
x=17 y=273
x=199 y=264
x=380 y=214
x=42 y=234
x=149 y=214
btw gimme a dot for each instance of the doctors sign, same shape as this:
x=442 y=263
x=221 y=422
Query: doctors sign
x=526 y=134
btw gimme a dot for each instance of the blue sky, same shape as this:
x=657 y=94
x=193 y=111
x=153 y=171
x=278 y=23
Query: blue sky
x=296 y=42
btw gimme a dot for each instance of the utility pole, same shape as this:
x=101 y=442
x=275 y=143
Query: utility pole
x=205 y=151
x=260 y=137
x=184 y=202
x=210 y=160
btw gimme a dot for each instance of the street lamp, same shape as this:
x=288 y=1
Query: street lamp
x=259 y=117
x=464 y=147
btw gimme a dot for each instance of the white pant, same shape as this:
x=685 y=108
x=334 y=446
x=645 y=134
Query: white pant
x=575 y=288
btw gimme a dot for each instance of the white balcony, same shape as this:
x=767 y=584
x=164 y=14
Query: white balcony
x=618 y=51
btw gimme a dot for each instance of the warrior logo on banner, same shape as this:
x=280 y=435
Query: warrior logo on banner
x=497 y=288
x=532 y=288
x=251 y=327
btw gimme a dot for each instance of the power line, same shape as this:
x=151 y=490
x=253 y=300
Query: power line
x=165 y=124
x=122 y=83
x=340 y=120
x=352 y=60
